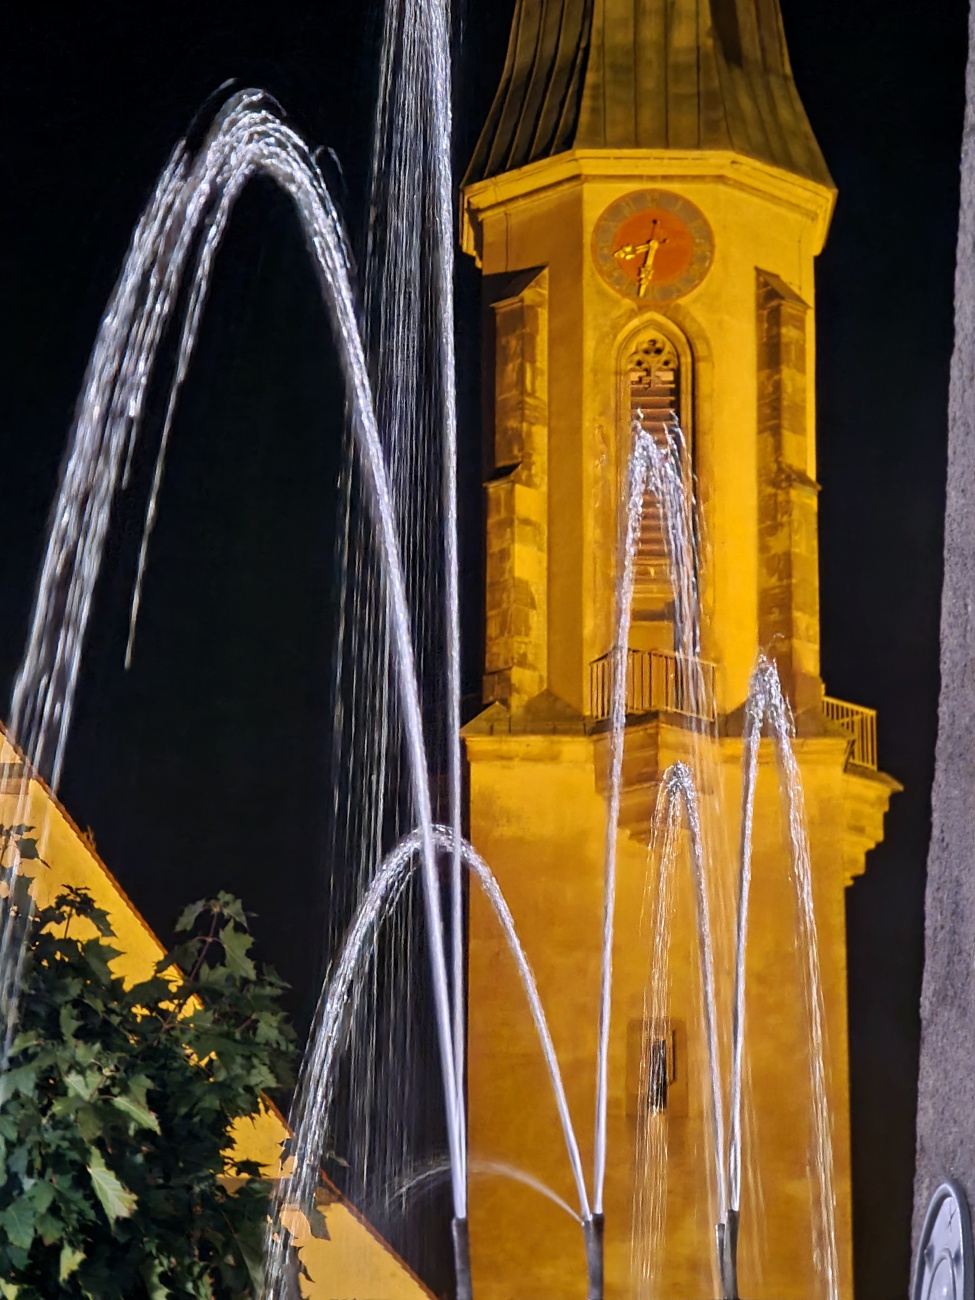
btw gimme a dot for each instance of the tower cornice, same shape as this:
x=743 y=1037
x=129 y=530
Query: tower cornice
x=638 y=167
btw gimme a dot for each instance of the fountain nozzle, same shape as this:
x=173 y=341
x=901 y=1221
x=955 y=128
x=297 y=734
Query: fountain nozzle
x=462 y=1258
x=593 y=1230
x=728 y=1255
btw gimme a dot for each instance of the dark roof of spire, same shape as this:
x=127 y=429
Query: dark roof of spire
x=647 y=74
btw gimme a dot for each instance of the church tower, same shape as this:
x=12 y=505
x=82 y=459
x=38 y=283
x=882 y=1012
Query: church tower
x=645 y=204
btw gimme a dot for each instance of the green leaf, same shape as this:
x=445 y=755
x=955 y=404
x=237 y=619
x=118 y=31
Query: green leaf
x=81 y=1085
x=152 y=1276
x=254 y=1263
x=18 y=1222
x=139 y=1085
x=232 y=906
x=190 y=915
x=22 y=1080
x=89 y=1054
x=136 y=1110
x=40 y=1196
x=22 y=1042
x=71 y=1259
x=49 y=1228
x=117 y=1201
x=9 y=1290
x=68 y=1021
x=89 y=1122
x=18 y=1157
x=236 y=944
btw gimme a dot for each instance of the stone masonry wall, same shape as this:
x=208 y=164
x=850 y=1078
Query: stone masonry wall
x=788 y=595
x=515 y=667
x=946 y=1083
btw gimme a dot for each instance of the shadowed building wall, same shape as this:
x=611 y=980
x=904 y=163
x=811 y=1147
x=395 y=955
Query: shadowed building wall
x=646 y=203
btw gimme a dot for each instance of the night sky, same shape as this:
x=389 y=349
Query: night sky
x=206 y=765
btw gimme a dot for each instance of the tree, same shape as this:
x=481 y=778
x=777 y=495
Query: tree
x=117 y=1104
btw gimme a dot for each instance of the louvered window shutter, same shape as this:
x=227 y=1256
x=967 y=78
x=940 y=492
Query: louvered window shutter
x=654 y=383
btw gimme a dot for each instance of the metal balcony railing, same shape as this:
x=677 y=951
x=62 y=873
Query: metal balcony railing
x=656 y=681
x=860 y=723
x=660 y=681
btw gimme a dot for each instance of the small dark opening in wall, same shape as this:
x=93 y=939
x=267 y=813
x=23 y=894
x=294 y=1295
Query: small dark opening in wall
x=658 y=1072
x=656 y=1079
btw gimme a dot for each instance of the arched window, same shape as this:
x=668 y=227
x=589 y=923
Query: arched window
x=655 y=385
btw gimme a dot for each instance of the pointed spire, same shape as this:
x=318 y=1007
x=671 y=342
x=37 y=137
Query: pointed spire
x=647 y=74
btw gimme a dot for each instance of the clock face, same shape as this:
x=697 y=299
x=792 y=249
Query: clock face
x=652 y=246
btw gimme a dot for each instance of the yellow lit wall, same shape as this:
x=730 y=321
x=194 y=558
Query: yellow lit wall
x=762 y=218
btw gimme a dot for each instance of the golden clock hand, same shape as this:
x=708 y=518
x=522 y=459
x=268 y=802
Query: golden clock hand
x=629 y=251
x=648 y=252
x=646 y=270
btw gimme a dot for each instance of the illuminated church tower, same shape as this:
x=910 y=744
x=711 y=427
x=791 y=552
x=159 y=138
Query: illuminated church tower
x=645 y=204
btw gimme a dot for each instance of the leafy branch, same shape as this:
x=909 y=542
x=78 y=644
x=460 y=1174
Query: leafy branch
x=117 y=1106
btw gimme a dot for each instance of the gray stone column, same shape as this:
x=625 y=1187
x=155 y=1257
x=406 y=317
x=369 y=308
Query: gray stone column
x=946 y=1082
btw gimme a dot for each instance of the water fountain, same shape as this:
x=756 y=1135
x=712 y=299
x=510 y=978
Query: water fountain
x=167 y=271
x=188 y=214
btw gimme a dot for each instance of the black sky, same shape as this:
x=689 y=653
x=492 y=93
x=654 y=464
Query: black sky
x=206 y=765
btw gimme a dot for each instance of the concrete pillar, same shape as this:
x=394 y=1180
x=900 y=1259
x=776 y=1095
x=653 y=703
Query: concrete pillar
x=946 y=1084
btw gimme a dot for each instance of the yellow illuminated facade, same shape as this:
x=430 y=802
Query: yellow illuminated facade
x=353 y=1263
x=645 y=205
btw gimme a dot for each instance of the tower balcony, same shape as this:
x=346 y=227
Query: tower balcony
x=659 y=681
x=861 y=725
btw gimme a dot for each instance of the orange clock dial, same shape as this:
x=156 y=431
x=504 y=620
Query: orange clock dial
x=653 y=246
